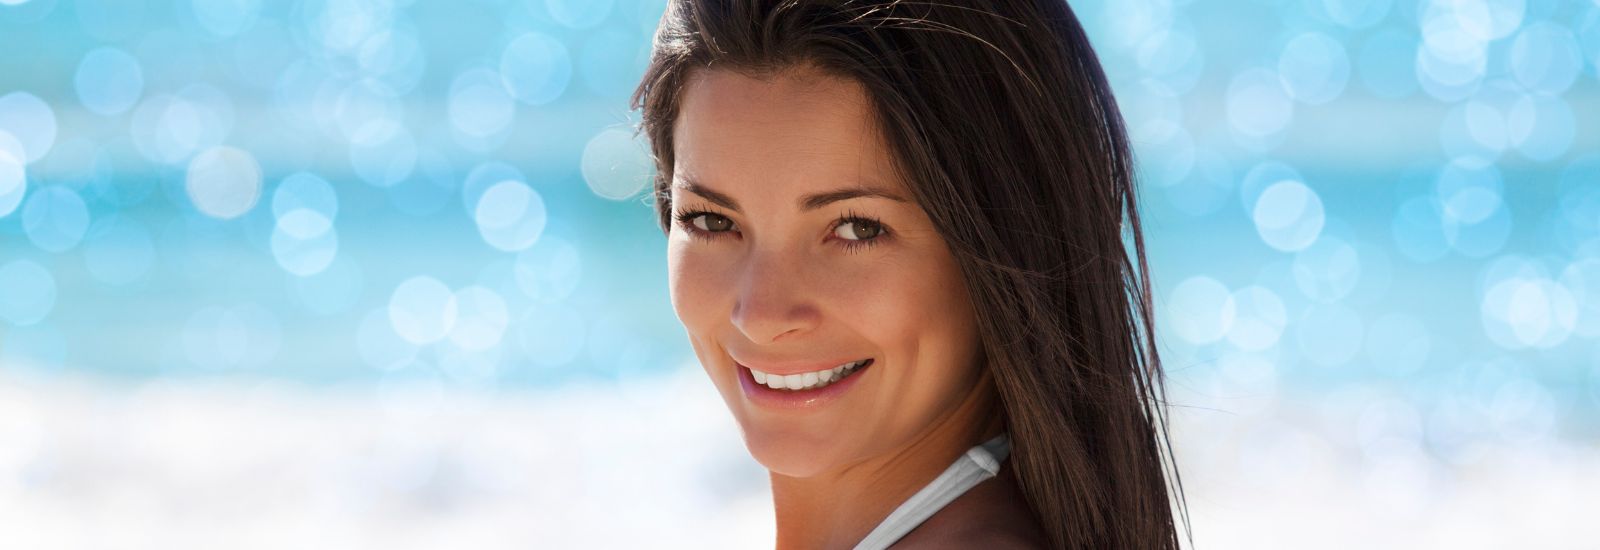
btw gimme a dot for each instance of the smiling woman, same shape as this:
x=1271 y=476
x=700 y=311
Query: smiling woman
x=896 y=242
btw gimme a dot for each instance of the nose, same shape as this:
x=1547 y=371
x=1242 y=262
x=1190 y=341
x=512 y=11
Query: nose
x=772 y=302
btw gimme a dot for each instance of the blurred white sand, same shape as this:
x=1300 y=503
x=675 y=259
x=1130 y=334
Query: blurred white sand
x=90 y=463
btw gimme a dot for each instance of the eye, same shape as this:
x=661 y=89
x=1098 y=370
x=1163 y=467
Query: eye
x=857 y=229
x=859 y=232
x=706 y=221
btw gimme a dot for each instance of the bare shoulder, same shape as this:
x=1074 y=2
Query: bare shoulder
x=992 y=515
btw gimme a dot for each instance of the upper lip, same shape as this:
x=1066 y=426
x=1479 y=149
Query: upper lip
x=784 y=368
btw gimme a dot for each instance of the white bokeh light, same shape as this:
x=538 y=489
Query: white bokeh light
x=578 y=14
x=535 y=68
x=224 y=182
x=510 y=216
x=481 y=320
x=30 y=121
x=108 y=81
x=55 y=218
x=304 y=242
x=13 y=180
x=422 y=310
x=1520 y=312
x=616 y=165
x=1314 y=68
x=1546 y=58
x=1257 y=105
x=1288 y=216
x=478 y=104
x=1201 y=310
x=305 y=190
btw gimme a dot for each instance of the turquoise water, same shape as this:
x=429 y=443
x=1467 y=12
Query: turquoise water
x=1336 y=194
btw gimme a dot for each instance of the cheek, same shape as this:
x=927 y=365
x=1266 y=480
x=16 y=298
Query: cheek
x=693 y=279
x=907 y=303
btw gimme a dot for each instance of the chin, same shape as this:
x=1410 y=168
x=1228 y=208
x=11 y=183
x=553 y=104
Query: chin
x=792 y=457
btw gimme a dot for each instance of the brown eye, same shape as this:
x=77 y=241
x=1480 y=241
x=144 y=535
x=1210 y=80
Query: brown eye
x=863 y=230
x=712 y=222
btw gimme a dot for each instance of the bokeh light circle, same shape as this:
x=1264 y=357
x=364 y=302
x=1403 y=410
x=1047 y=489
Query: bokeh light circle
x=422 y=310
x=578 y=14
x=1313 y=68
x=225 y=18
x=481 y=319
x=616 y=165
x=387 y=161
x=1546 y=58
x=510 y=216
x=55 y=218
x=1257 y=105
x=1201 y=310
x=1520 y=312
x=1542 y=128
x=1288 y=216
x=304 y=242
x=108 y=81
x=1356 y=14
x=478 y=104
x=1387 y=64
x=31 y=121
x=223 y=182
x=535 y=68
x=305 y=190
x=13 y=180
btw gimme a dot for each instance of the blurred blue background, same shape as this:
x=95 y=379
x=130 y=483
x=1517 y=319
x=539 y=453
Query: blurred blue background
x=379 y=273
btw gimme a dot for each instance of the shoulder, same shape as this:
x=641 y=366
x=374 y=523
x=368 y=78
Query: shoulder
x=992 y=515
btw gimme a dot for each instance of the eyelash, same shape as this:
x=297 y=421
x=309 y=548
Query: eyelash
x=685 y=218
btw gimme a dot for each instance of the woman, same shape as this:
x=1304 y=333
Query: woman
x=896 y=242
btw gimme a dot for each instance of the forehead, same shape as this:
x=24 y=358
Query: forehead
x=795 y=129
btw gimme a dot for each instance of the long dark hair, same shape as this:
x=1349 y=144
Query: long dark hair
x=1004 y=126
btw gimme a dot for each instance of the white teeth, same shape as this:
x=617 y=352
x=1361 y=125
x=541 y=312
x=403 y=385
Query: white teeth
x=805 y=381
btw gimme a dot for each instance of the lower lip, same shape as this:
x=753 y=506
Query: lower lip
x=807 y=400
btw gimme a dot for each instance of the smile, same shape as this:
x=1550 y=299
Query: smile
x=810 y=380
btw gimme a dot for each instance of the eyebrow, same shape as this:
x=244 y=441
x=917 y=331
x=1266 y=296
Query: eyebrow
x=807 y=202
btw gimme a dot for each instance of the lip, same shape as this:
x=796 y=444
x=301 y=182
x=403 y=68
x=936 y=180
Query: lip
x=797 y=401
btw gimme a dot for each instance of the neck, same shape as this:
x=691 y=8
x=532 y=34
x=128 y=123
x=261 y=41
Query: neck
x=837 y=509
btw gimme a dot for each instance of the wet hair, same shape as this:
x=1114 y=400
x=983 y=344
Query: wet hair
x=1004 y=127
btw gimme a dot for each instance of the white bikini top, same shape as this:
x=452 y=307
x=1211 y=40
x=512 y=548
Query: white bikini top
x=979 y=463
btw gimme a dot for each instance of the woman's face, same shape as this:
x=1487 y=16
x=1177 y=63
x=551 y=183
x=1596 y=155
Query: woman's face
x=795 y=249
